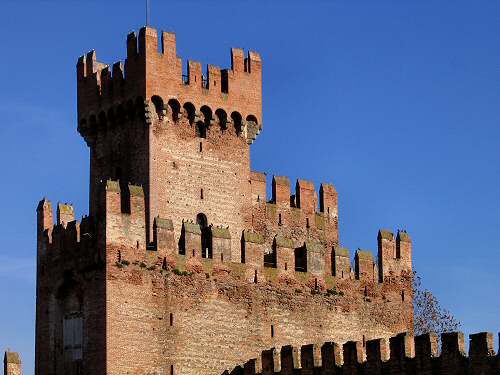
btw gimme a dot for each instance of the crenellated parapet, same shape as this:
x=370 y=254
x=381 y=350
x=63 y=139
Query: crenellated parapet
x=301 y=215
x=124 y=214
x=65 y=236
x=152 y=73
x=183 y=255
x=120 y=224
x=399 y=355
x=394 y=253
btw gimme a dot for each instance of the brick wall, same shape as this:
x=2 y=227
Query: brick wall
x=214 y=317
x=400 y=355
x=184 y=264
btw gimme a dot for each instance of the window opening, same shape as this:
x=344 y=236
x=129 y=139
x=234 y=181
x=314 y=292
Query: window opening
x=72 y=336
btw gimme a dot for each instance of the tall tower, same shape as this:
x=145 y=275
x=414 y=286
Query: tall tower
x=184 y=266
x=184 y=138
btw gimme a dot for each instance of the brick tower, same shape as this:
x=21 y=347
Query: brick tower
x=183 y=266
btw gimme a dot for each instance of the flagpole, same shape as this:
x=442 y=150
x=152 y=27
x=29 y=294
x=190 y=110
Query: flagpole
x=148 y=13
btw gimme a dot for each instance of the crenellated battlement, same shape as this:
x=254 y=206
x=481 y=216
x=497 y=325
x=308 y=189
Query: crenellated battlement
x=402 y=354
x=66 y=235
x=305 y=197
x=122 y=222
x=153 y=73
x=183 y=255
x=394 y=253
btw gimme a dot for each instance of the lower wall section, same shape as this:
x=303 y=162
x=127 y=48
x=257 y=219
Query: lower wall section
x=203 y=321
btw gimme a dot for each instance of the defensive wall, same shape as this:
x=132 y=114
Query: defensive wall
x=190 y=310
x=184 y=265
x=400 y=355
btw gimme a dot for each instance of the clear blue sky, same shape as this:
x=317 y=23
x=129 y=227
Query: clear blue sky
x=395 y=102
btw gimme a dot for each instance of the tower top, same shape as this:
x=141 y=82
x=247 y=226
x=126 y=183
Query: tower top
x=153 y=71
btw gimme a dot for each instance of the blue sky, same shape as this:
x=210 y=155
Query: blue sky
x=396 y=102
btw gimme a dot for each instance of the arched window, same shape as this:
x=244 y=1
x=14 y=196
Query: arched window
x=252 y=119
x=201 y=220
x=237 y=122
x=207 y=115
x=189 y=111
x=175 y=109
x=221 y=118
x=159 y=106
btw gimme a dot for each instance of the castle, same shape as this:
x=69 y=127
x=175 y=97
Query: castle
x=183 y=265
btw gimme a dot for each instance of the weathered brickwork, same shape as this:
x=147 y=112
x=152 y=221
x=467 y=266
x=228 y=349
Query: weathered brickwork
x=400 y=355
x=184 y=265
